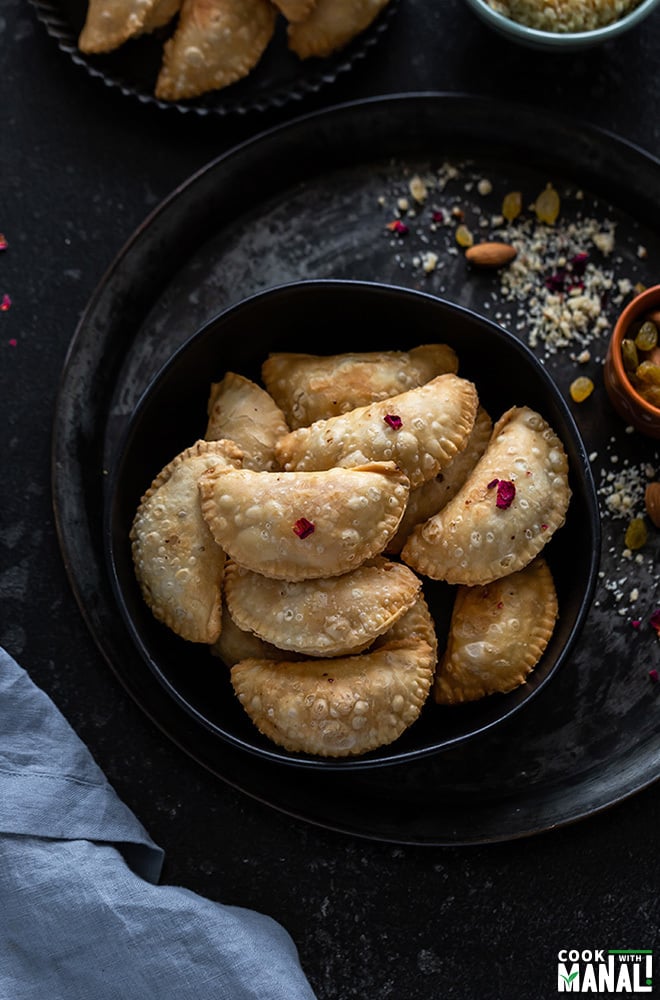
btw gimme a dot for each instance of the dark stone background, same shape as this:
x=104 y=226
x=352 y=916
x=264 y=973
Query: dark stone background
x=80 y=168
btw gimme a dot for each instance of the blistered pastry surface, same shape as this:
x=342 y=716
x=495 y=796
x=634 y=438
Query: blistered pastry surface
x=430 y=497
x=242 y=411
x=310 y=387
x=327 y=617
x=343 y=706
x=304 y=525
x=497 y=635
x=177 y=563
x=216 y=42
x=421 y=430
x=332 y=24
x=473 y=540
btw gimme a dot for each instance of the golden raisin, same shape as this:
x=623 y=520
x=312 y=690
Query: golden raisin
x=629 y=355
x=546 y=205
x=647 y=337
x=651 y=393
x=581 y=388
x=648 y=373
x=512 y=205
x=636 y=534
x=464 y=237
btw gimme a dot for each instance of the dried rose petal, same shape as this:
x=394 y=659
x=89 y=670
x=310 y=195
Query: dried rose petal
x=579 y=263
x=303 y=527
x=506 y=491
x=492 y=484
x=398 y=227
x=5 y=304
x=654 y=675
x=395 y=422
x=13 y=342
x=438 y=216
x=556 y=282
x=636 y=623
x=654 y=620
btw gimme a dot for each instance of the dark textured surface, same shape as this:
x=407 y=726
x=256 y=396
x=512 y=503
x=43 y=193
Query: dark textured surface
x=80 y=168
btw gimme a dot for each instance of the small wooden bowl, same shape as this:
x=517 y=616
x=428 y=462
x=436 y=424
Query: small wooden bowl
x=625 y=399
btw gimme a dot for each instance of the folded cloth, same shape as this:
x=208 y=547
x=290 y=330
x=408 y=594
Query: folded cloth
x=81 y=914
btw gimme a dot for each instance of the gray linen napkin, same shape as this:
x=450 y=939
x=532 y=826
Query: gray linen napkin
x=81 y=914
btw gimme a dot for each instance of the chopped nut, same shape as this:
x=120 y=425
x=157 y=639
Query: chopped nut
x=429 y=261
x=652 y=503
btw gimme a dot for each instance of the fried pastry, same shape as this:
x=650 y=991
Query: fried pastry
x=417 y=624
x=421 y=430
x=295 y=10
x=242 y=411
x=426 y=500
x=331 y=25
x=497 y=635
x=177 y=563
x=110 y=23
x=309 y=387
x=161 y=14
x=509 y=507
x=304 y=525
x=235 y=644
x=325 y=617
x=216 y=42
x=343 y=706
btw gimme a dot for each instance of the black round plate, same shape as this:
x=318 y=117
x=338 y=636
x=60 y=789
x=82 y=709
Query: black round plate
x=592 y=737
x=278 y=79
x=171 y=415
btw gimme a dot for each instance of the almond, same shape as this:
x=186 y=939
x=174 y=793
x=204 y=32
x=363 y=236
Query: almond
x=652 y=502
x=490 y=254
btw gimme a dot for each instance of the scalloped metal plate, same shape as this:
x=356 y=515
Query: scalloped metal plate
x=279 y=79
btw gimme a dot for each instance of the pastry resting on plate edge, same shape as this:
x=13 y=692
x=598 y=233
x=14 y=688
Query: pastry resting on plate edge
x=217 y=42
x=178 y=565
x=330 y=644
x=497 y=635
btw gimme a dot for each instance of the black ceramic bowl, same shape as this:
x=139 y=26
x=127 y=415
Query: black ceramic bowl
x=329 y=317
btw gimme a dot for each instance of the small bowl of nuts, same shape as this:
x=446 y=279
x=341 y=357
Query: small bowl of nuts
x=562 y=26
x=632 y=365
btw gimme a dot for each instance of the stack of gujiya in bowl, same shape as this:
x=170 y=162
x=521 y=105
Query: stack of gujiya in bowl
x=294 y=540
